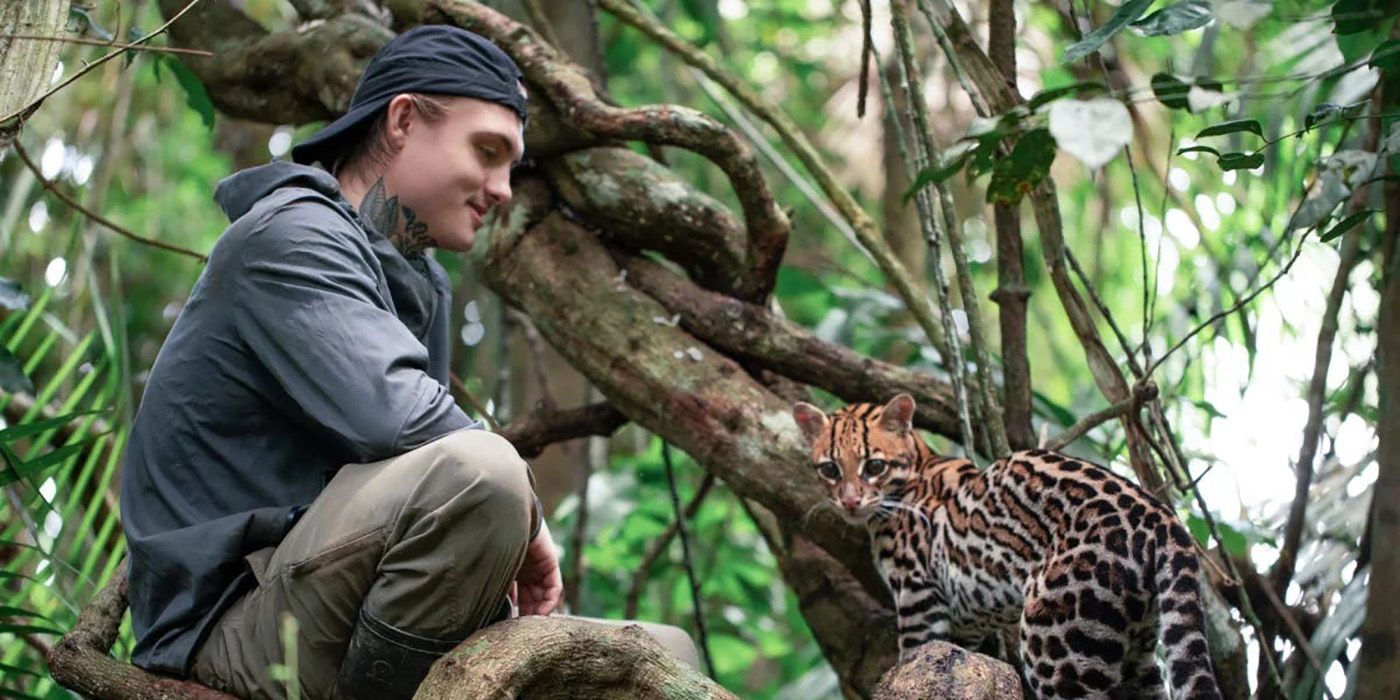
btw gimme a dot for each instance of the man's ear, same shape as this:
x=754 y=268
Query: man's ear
x=898 y=415
x=810 y=420
x=398 y=117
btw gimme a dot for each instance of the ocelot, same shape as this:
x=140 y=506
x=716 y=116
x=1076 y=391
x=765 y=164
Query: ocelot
x=1093 y=569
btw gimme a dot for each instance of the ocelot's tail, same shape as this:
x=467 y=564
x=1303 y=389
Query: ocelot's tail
x=1183 y=622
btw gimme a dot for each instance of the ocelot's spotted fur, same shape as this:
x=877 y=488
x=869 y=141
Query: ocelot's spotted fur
x=1093 y=569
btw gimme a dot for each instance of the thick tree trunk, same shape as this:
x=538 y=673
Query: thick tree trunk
x=26 y=63
x=552 y=658
x=1379 y=676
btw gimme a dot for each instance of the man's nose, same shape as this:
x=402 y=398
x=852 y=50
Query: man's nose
x=498 y=189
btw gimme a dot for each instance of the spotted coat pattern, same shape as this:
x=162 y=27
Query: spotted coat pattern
x=1093 y=570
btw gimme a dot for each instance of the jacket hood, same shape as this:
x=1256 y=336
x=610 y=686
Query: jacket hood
x=237 y=193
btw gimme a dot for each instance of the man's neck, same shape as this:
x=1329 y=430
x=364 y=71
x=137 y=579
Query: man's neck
x=379 y=209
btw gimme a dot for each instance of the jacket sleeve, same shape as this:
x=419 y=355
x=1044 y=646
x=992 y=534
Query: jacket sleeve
x=307 y=303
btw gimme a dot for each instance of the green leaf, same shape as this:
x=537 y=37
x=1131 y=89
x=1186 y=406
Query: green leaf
x=12 y=377
x=35 y=467
x=1346 y=224
x=1354 y=16
x=1199 y=530
x=731 y=654
x=1171 y=91
x=1175 y=19
x=1386 y=57
x=24 y=430
x=12 y=296
x=1078 y=89
x=1209 y=408
x=195 y=96
x=1241 y=161
x=1234 y=541
x=8 y=611
x=6 y=627
x=935 y=174
x=1198 y=149
x=1232 y=127
x=1327 y=112
x=1019 y=173
x=1126 y=14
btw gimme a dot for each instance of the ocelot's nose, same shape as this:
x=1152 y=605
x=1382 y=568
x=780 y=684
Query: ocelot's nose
x=850 y=503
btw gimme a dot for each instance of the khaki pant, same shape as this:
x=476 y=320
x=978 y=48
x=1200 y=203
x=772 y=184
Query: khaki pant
x=427 y=543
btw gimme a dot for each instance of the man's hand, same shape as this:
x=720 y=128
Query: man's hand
x=540 y=585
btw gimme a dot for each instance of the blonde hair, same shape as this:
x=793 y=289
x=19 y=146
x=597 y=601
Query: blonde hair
x=369 y=147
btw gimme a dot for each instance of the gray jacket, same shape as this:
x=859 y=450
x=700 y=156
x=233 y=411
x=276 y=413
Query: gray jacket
x=308 y=342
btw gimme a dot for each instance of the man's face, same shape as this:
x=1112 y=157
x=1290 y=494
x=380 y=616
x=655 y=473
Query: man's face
x=451 y=171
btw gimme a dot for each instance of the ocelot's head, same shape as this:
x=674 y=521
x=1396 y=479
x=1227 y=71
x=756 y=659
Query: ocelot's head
x=864 y=453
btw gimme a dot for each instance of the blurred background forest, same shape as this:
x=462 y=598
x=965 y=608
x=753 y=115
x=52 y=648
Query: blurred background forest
x=1171 y=227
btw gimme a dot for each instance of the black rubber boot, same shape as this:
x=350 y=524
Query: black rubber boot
x=385 y=663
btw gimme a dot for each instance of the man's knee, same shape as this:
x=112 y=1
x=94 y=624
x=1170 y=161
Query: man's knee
x=481 y=471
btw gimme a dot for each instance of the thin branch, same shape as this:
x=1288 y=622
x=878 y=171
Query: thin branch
x=866 y=49
x=73 y=204
x=659 y=546
x=99 y=42
x=951 y=347
x=105 y=58
x=1141 y=394
x=536 y=345
x=461 y=388
x=541 y=23
x=1282 y=572
x=1236 y=307
x=1011 y=294
x=697 y=608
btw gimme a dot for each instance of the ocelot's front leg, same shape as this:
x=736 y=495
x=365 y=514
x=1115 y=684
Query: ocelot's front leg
x=923 y=613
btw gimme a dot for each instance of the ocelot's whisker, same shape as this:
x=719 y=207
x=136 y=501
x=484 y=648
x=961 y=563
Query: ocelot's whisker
x=896 y=505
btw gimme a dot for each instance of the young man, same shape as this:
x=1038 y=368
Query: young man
x=297 y=454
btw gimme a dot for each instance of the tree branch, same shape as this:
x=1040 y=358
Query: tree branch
x=573 y=94
x=73 y=204
x=908 y=287
x=530 y=433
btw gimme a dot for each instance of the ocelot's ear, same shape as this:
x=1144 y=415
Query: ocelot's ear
x=810 y=420
x=898 y=414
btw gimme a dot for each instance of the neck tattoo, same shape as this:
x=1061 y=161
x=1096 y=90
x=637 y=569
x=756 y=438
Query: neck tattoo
x=381 y=212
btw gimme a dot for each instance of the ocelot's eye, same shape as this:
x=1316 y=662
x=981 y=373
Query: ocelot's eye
x=875 y=467
x=829 y=470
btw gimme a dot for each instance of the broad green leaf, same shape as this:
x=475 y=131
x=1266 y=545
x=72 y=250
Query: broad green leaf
x=12 y=377
x=1175 y=19
x=1094 y=131
x=11 y=296
x=1126 y=14
x=1232 y=127
x=195 y=96
x=1346 y=224
x=1241 y=161
x=1386 y=57
x=1170 y=90
x=1020 y=172
x=731 y=654
x=1353 y=16
x=1080 y=89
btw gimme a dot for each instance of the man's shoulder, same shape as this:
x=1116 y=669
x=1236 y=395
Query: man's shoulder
x=298 y=222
